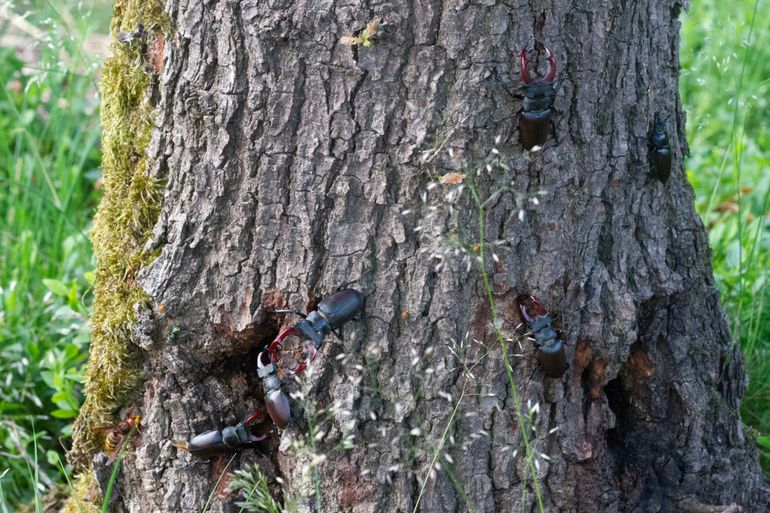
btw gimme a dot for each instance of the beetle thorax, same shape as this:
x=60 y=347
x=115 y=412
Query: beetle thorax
x=659 y=136
x=538 y=95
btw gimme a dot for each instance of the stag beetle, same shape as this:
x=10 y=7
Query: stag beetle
x=550 y=348
x=535 y=117
x=303 y=340
x=660 y=151
x=275 y=400
x=231 y=438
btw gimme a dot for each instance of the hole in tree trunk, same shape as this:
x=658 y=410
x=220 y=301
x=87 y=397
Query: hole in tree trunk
x=616 y=436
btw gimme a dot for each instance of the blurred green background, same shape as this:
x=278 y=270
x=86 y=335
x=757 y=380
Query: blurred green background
x=50 y=180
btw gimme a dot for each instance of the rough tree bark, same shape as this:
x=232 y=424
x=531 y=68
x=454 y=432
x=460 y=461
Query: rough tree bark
x=289 y=158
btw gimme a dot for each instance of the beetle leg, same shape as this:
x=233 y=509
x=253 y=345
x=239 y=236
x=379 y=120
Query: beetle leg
x=554 y=133
x=290 y=310
x=500 y=81
x=532 y=374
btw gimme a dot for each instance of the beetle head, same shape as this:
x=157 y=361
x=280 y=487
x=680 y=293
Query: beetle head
x=659 y=135
x=530 y=308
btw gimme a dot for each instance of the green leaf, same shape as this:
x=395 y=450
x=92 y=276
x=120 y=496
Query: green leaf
x=56 y=287
x=71 y=352
x=48 y=378
x=65 y=404
x=60 y=397
x=64 y=414
x=52 y=457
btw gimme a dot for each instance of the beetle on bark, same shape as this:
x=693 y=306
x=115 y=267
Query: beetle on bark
x=535 y=117
x=229 y=439
x=660 y=151
x=550 y=347
x=296 y=346
x=276 y=402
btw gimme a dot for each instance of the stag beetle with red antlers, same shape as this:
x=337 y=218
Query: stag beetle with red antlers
x=296 y=346
x=535 y=117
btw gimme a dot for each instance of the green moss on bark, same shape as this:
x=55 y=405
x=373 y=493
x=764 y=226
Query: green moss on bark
x=123 y=223
x=83 y=496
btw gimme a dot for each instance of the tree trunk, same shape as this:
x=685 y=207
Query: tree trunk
x=290 y=158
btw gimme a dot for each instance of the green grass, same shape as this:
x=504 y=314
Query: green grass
x=725 y=87
x=252 y=486
x=49 y=167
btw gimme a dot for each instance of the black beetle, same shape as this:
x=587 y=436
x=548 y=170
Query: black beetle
x=660 y=151
x=231 y=438
x=332 y=312
x=550 y=348
x=303 y=340
x=535 y=117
